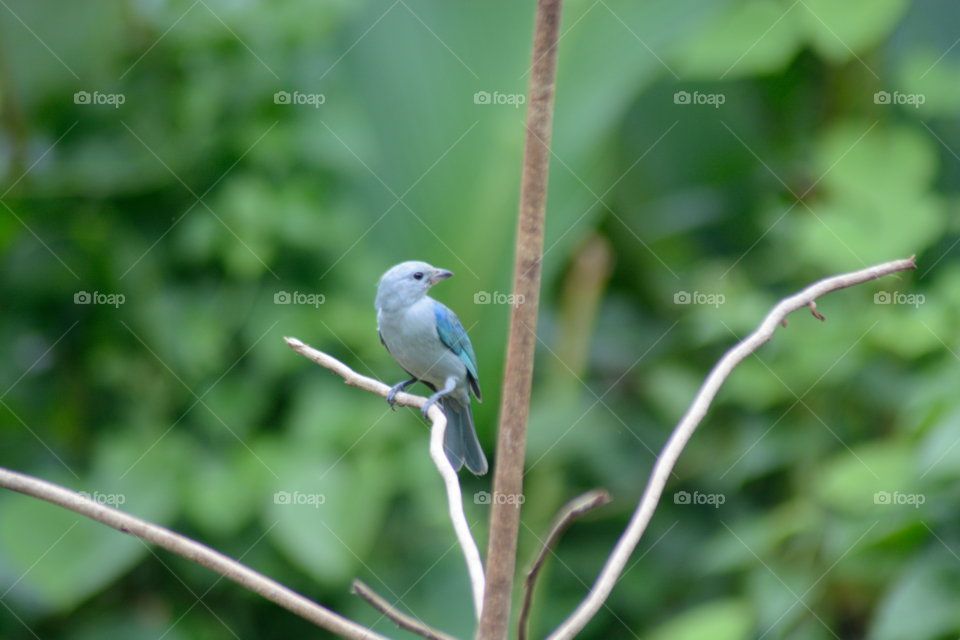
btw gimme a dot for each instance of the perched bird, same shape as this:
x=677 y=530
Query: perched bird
x=429 y=343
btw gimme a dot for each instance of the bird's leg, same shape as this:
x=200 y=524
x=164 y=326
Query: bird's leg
x=395 y=389
x=448 y=388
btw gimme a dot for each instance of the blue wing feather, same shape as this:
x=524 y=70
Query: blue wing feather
x=452 y=334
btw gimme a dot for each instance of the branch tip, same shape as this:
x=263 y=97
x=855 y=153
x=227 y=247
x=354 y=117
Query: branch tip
x=402 y=620
x=567 y=514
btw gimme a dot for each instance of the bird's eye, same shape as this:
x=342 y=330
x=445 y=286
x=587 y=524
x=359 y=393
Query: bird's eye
x=418 y=275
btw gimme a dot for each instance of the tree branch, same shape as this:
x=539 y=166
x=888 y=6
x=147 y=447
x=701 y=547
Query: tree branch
x=688 y=423
x=402 y=620
x=518 y=369
x=567 y=514
x=189 y=549
x=450 y=479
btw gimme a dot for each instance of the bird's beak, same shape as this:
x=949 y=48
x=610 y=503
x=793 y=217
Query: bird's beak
x=438 y=275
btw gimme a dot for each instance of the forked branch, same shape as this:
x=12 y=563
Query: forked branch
x=450 y=479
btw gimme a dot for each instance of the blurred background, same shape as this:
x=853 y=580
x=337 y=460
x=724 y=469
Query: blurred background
x=185 y=183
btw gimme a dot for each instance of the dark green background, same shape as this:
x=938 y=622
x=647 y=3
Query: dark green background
x=185 y=400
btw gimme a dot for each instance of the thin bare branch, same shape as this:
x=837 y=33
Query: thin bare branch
x=402 y=620
x=450 y=479
x=567 y=514
x=189 y=549
x=688 y=423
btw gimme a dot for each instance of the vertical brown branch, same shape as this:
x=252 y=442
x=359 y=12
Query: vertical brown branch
x=515 y=405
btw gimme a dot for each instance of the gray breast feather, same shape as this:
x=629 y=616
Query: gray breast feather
x=411 y=337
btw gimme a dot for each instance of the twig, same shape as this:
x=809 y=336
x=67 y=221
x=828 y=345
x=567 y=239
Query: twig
x=455 y=504
x=518 y=368
x=402 y=620
x=189 y=549
x=454 y=498
x=688 y=423
x=567 y=514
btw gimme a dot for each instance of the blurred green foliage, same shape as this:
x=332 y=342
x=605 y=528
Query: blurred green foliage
x=200 y=198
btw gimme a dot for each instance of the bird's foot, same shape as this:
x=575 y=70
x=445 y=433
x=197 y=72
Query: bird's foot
x=432 y=400
x=394 y=390
x=426 y=406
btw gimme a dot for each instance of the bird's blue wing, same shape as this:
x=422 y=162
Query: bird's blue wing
x=452 y=334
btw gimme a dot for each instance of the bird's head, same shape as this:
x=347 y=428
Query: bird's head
x=406 y=283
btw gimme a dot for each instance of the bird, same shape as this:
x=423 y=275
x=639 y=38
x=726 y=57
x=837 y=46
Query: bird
x=428 y=342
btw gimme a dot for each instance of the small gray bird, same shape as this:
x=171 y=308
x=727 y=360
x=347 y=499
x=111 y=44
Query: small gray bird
x=429 y=343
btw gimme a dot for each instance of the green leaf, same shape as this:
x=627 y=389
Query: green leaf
x=718 y=620
x=758 y=37
x=218 y=496
x=333 y=515
x=62 y=558
x=939 y=454
x=850 y=480
x=922 y=604
x=875 y=201
x=841 y=29
x=761 y=535
x=935 y=77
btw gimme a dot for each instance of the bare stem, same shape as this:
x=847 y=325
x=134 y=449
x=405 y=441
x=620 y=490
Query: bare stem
x=189 y=549
x=402 y=620
x=450 y=479
x=518 y=369
x=567 y=514
x=688 y=423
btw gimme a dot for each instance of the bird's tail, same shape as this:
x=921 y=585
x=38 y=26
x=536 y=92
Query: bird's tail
x=460 y=441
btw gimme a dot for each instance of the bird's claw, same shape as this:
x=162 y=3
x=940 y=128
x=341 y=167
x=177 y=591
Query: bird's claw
x=391 y=396
x=426 y=408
